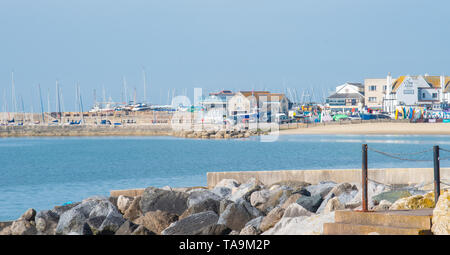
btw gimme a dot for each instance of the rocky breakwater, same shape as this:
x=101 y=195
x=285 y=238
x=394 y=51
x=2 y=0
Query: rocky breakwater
x=229 y=208
x=217 y=134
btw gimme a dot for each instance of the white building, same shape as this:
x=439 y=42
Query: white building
x=425 y=91
x=347 y=98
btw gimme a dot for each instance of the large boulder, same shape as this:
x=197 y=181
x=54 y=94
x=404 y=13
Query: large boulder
x=110 y=224
x=223 y=192
x=259 y=197
x=29 y=215
x=60 y=209
x=134 y=210
x=302 y=191
x=123 y=202
x=202 y=206
x=93 y=216
x=267 y=199
x=74 y=221
x=255 y=224
x=296 y=210
x=158 y=199
x=333 y=205
x=311 y=203
x=414 y=202
x=322 y=188
x=291 y=199
x=253 y=211
x=113 y=200
x=192 y=225
x=384 y=205
x=156 y=221
x=303 y=225
x=223 y=205
x=129 y=228
x=23 y=227
x=199 y=195
x=441 y=215
x=227 y=183
x=6 y=230
x=245 y=190
x=345 y=193
x=272 y=218
x=236 y=215
x=46 y=222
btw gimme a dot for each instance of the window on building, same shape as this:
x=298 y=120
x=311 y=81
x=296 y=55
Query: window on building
x=423 y=95
x=434 y=95
x=372 y=99
x=372 y=88
x=408 y=91
x=385 y=87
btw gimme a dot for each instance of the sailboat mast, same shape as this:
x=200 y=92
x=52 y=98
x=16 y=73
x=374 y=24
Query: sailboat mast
x=58 y=103
x=5 y=105
x=13 y=94
x=104 y=97
x=42 y=105
x=23 y=109
x=95 y=97
x=48 y=105
x=80 y=102
x=62 y=103
x=145 y=87
x=125 y=90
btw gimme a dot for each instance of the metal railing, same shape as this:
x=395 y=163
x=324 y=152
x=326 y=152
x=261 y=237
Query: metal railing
x=401 y=156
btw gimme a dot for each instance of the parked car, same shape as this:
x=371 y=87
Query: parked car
x=383 y=116
x=355 y=117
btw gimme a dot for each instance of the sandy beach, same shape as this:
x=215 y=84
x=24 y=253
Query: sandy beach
x=383 y=128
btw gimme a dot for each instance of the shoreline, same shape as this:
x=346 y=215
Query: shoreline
x=387 y=128
x=349 y=128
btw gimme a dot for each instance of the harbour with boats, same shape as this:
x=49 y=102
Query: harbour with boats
x=240 y=110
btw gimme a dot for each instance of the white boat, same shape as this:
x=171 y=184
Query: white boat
x=98 y=108
x=140 y=107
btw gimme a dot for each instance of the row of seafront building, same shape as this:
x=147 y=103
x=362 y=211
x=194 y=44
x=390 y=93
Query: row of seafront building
x=244 y=105
x=388 y=94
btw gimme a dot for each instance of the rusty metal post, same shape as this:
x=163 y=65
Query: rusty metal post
x=364 y=178
x=437 y=181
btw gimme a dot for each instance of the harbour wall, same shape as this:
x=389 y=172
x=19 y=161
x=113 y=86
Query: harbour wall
x=85 y=130
x=390 y=176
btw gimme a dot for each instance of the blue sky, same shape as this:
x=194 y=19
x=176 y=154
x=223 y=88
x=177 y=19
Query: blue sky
x=214 y=44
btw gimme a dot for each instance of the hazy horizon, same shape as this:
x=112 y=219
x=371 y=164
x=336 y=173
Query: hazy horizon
x=212 y=44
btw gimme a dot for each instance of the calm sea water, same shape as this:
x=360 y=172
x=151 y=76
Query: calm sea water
x=43 y=172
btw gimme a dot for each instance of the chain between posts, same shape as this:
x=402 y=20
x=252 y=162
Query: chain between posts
x=407 y=159
x=436 y=162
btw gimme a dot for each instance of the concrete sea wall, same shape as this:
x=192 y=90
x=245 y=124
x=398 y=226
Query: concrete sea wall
x=85 y=130
x=390 y=176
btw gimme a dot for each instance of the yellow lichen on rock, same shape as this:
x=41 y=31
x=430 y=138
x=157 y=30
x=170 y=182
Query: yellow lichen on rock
x=441 y=215
x=414 y=202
